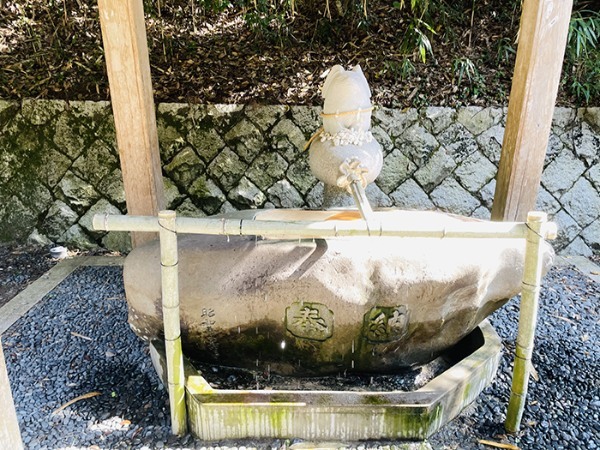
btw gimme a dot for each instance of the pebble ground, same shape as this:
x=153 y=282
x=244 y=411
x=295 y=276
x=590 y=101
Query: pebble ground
x=77 y=341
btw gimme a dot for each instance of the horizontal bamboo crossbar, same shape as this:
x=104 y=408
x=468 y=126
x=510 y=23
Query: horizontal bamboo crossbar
x=317 y=229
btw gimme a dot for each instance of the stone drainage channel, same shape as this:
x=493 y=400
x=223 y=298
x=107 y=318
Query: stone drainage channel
x=76 y=340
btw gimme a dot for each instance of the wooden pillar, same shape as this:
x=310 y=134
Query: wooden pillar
x=128 y=66
x=10 y=435
x=542 y=41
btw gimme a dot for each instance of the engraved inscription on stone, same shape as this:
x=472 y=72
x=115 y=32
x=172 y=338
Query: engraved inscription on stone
x=385 y=323
x=207 y=319
x=309 y=320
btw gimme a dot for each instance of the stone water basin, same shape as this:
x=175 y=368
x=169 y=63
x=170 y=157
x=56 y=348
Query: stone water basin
x=321 y=306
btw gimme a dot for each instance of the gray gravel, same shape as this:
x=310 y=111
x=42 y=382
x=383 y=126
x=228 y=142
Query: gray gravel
x=77 y=341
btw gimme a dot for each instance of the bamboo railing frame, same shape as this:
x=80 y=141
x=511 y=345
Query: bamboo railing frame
x=535 y=231
x=528 y=312
x=169 y=275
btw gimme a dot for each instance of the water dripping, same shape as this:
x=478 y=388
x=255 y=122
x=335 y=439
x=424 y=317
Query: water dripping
x=352 y=364
x=268 y=371
x=256 y=330
x=352 y=345
x=228 y=239
x=257 y=362
x=239 y=330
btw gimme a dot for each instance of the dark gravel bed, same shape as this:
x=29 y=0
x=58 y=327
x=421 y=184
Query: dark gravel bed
x=77 y=341
x=19 y=266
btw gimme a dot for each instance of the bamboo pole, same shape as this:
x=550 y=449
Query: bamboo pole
x=313 y=229
x=530 y=293
x=172 y=329
x=361 y=200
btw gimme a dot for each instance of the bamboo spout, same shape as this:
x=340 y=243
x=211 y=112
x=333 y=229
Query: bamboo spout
x=353 y=180
x=362 y=203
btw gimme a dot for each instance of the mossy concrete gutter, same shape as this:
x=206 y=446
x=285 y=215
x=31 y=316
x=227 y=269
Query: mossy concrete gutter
x=215 y=414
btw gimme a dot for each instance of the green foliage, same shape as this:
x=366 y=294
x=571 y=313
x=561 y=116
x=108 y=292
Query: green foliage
x=415 y=5
x=584 y=29
x=416 y=40
x=466 y=71
x=269 y=18
x=505 y=50
x=401 y=70
x=582 y=59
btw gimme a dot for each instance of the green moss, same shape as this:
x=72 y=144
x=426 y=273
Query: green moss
x=277 y=416
x=21 y=167
x=467 y=392
x=416 y=424
x=375 y=400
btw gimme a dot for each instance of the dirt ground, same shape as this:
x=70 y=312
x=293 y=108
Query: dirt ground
x=215 y=51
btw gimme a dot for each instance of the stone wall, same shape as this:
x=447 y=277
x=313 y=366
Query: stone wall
x=59 y=165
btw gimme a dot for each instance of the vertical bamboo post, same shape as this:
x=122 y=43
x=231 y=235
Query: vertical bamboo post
x=170 y=308
x=530 y=293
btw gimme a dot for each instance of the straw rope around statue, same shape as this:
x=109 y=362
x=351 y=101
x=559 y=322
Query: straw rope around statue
x=345 y=136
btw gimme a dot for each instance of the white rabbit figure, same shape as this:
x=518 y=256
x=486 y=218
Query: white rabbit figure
x=346 y=123
x=347 y=100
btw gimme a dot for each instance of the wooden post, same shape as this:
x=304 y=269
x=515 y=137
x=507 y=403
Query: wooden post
x=542 y=41
x=10 y=435
x=128 y=66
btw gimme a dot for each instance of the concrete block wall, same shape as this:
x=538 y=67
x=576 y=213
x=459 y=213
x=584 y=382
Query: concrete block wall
x=59 y=165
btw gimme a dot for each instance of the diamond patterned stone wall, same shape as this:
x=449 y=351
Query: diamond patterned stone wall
x=59 y=165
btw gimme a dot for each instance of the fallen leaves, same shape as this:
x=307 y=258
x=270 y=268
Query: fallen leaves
x=75 y=400
x=199 y=56
x=498 y=444
x=533 y=372
x=73 y=333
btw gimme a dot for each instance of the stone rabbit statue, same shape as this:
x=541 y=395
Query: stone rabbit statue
x=345 y=139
